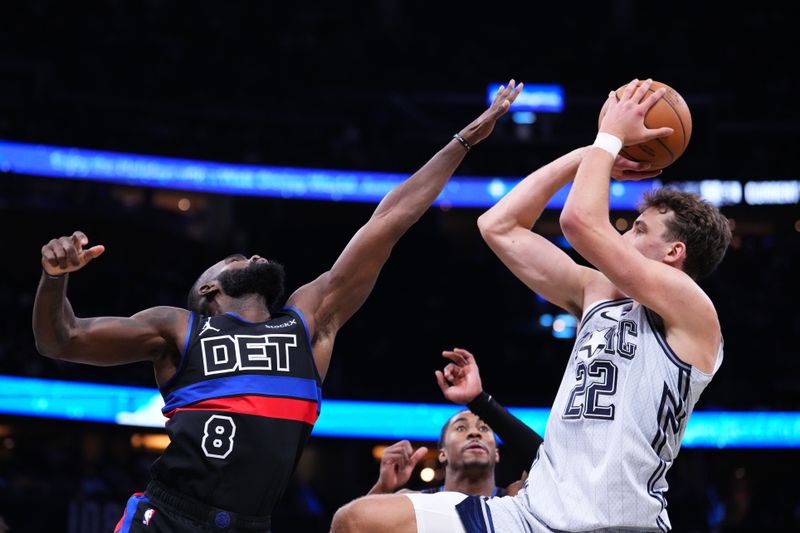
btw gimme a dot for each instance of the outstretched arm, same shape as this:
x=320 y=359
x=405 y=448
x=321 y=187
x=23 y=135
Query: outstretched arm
x=536 y=261
x=461 y=383
x=152 y=334
x=330 y=300
x=585 y=221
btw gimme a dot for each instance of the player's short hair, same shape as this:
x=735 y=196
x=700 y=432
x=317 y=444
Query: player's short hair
x=696 y=223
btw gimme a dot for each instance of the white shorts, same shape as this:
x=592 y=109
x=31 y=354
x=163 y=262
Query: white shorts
x=436 y=513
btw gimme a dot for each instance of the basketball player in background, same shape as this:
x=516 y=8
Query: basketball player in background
x=241 y=385
x=649 y=342
x=467 y=445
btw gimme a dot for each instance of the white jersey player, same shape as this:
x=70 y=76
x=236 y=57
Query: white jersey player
x=648 y=344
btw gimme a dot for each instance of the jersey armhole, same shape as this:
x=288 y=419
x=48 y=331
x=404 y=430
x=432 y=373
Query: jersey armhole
x=184 y=349
x=299 y=314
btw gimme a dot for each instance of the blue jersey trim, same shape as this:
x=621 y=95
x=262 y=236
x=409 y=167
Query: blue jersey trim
x=284 y=386
x=237 y=317
x=188 y=334
x=308 y=336
x=303 y=320
x=171 y=380
x=130 y=510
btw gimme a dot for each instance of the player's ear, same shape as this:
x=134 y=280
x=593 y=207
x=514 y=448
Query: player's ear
x=209 y=288
x=676 y=254
x=442 y=456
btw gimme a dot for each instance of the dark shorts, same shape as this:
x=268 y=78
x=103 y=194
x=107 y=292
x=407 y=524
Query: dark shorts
x=159 y=510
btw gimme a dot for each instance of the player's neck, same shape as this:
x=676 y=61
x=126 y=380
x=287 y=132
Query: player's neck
x=250 y=307
x=470 y=482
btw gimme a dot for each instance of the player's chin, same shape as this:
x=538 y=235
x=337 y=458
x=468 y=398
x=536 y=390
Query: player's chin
x=474 y=463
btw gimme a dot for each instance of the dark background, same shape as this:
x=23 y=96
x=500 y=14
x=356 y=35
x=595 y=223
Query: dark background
x=379 y=86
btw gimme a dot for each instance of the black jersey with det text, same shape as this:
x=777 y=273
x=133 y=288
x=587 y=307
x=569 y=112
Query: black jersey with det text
x=240 y=409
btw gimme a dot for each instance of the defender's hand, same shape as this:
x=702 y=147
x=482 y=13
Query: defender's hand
x=481 y=127
x=67 y=254
x=397 y=464
x=460 y=382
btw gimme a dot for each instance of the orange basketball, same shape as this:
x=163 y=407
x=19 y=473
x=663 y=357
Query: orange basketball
x=671 y=110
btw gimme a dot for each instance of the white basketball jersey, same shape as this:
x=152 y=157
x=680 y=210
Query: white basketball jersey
x=615 y=427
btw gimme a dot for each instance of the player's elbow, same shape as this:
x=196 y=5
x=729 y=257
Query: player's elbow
x=353 y=517
x=49 y=349
x=490 y=226
x=574 y=226
x=52 y=347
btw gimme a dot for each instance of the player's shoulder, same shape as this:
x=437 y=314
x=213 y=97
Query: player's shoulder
x=163 y=315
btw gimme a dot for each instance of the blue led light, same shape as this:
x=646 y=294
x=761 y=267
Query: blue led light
x=536 y=98
x=134 y=406
x=251 y=180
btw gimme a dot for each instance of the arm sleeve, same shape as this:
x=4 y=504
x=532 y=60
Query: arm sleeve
x=519 y=439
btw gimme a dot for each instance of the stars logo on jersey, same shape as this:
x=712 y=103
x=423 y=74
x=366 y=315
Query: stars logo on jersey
x=207 y=326
x=593 y=342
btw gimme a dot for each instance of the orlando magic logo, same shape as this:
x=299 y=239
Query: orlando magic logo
x=593 y=343
x=619 y=339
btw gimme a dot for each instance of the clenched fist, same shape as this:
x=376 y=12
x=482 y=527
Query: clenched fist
x=67 y=254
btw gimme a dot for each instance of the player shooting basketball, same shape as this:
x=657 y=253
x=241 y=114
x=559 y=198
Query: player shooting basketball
x=649 y=342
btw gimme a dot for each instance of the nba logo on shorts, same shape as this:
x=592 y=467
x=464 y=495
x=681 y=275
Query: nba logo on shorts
x=148 y=515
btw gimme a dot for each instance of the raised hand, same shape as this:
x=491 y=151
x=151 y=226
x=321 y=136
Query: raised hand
x=481 y=127
x=624 y=117
x=397 y=464
x=67 y=254
x=460 y=381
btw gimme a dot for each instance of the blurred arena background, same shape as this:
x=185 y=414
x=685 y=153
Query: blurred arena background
x=380 y=86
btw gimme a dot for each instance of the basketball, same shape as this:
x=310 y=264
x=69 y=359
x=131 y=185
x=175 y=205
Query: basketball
x=670 y=111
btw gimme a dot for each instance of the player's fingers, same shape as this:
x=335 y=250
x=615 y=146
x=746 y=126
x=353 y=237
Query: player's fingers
x=642 y=90
x=440 y=381
x=460 y=359
x=49 y=255
x=654 y=97
x=80 y=238
x=500 y=94
x=627 y=93
x=657 y=133
x=452 y=368
x=631 y=175
x=71 y=250
x=92 y=253
x=60 y=253
x=453 y=356
x=449 y=374
x=624 y=163
x=465 y=354
x=417 y=455
x=517 y=90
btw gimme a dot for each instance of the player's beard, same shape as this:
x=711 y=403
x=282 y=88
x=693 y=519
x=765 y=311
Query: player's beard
x=264 y=279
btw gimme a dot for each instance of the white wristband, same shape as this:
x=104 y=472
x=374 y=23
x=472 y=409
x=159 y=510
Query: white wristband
x=610 y=143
